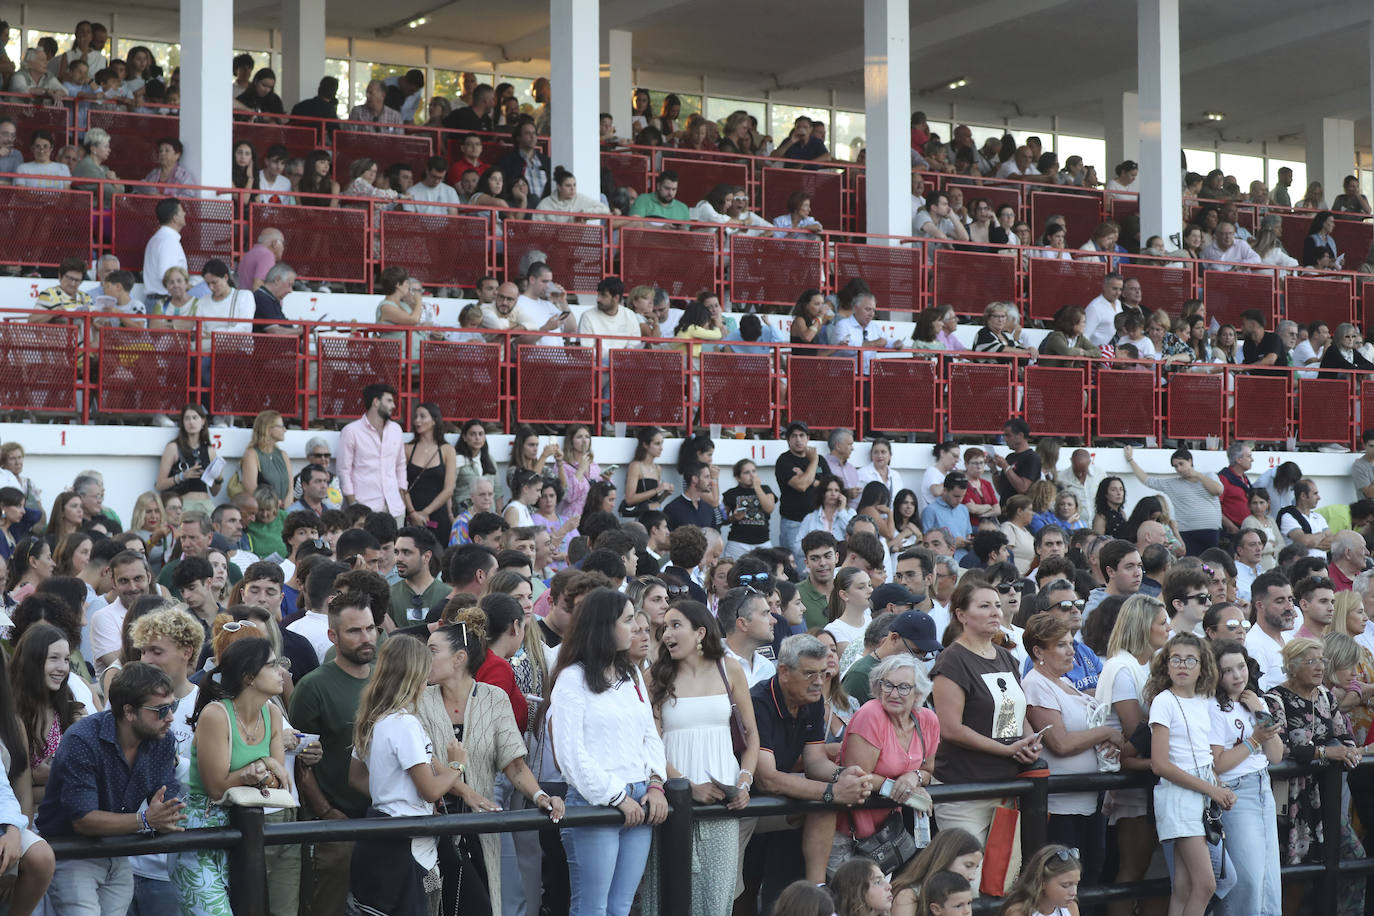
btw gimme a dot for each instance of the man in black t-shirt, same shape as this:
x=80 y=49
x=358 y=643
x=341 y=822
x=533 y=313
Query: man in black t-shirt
x=1021 y=466
x=798 y=481
x=749 y=506
x=790 y=718
x=1261 y=347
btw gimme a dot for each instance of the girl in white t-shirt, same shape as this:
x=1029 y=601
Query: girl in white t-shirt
x=1245 y=741
x=394 y=761
x=1182 y=678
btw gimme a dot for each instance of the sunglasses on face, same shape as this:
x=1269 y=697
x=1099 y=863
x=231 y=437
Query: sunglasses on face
x=1070 y=605
x=1005 y=588
x=163 y=711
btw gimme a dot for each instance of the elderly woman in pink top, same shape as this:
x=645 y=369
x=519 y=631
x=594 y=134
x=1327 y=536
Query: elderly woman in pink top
x=949 y=322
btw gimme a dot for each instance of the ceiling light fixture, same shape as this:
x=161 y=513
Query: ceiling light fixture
x=416 y=23
x=1214 y=115
x=957 y=84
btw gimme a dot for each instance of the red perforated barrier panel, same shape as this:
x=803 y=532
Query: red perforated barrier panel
x=29 y=118
x=1228 y=293
x=969 y=280
x=821 y=391
x=1309 y=299
x=1262 y=407
x=683 y=263
x=647 y=387
x=1324 y=410
x=1082 y=213
x=904 y=393
x=299 y=141
x=1352 y=240
x=1366 y=415
x=463 y=379
x=1055 y=284
x=38 y=365
x=556 y=384
x=1293 y=230
x=133 y=140
x=1123 y=208
x=42 y=227
x=1126 y=403
x=250 y=373
x=696 y=177
x=826 y=190
x=996 y=196
x=1056 y=401
x=144 y=371
x=737 y=389
x=384 y=149
x=322 y=243
x=349 y=364
x=893 y=273
x=1194 y=406
x=1164 y=288
x=770 y=270
x=979 y=397
x=440 y=250
x=1365 y=313
x=575 y=250
x=209 y=230
x=628 y=169
x=859 y=217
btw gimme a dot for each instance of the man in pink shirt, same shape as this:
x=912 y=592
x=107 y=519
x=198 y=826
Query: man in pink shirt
x=371 y=460
x=258 y=260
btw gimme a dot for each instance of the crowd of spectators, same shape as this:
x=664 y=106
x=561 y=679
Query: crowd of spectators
x=1004 y=614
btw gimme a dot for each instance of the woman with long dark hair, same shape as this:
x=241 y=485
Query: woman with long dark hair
x=67 y=516
x=472 y=459
x=35 y=857
x=42 y=697
x=431 y=471
x=316 y=180
x=644 y=486
x=598 y=700
x=72 y=554
x=185 y=459
x=31 y=563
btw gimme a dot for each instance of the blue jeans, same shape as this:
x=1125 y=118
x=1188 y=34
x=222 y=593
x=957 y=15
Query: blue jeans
x=153 y=897
x=1253 y=846
x=790 y=532
x=91 y=887
x=605 y=864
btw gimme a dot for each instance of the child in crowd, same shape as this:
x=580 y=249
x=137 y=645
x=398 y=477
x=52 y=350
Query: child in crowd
x=945 y=893
x=1048 y=885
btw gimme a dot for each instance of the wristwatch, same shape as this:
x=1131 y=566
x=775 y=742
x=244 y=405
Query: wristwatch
x=828 y=795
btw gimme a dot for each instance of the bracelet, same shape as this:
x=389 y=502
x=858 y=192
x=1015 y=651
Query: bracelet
x=147 y=827
x=835 y=777
x=658 y=787
x=744 y=772
x=535 y=801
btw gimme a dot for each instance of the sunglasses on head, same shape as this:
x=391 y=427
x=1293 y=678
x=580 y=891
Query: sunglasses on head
x=1066 y=855
x=677 y=589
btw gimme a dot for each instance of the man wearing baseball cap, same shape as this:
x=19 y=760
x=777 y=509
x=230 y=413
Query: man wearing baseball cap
x=913 y=632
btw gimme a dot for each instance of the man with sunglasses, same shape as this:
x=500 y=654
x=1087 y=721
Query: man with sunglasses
x=1186 y=598
x=1271 y=596
x=114 y=774
x=1061 y=601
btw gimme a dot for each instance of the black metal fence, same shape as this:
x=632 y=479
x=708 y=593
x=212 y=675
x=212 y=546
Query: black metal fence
x=247 y=836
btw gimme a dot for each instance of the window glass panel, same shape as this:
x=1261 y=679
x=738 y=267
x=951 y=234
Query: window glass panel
x=1299 y=187
x=850 y=130
x=365 y=72
x=1201 y=161
x=691 y=104
x=1366 y=182
x=166 y=55
x=260 y=58
x=1093 y=151
x=720 y=109
x=524 y=91
x=942 y=129
x=1245 y=169
x=785 y=115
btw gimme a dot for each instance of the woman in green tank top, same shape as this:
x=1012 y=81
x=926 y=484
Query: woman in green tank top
x=265 y=461
x=238 y=742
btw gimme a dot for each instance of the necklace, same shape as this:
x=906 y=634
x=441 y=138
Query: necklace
x=251 y=736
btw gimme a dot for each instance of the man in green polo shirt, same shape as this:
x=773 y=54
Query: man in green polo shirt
x=818 y=548
x=418 y=590
x=663 y=202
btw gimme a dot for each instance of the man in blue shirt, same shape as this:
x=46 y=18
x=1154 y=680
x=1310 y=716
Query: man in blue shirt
x=114 y=774
x=950 y=513
x=692 y=506
x=803 y=144
x=751 y=332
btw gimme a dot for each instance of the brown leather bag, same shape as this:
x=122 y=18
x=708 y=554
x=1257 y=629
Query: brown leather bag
x=739 y=735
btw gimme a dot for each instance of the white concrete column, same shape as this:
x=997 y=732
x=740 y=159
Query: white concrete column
x=207 y=41
x=302 y=56
x=574 y=30
x=1121 y=126
x=1161 y=185
x=1330 y=153
x=617 y=78
x=887 y=107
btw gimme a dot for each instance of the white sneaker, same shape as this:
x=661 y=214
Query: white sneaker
x=1335 y=447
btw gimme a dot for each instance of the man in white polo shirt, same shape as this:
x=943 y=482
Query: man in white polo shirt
x=1272 y=597
x=1302 y=524
x=748 y=624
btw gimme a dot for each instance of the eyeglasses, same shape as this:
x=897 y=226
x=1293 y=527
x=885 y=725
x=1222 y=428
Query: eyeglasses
x=234 y=626
x=901 y=690
x=162 y=711
x=1179 y=661
x=1006 y=588
x=319 y=455
x=1318 y=662
x=282 y=663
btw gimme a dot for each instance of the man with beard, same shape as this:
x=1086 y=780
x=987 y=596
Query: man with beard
x=418 y=590
x=1271 y=595
x=372 y=464
x=325 y=703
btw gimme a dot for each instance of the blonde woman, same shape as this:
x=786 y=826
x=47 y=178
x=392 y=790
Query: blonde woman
x=265 y=461
x=149 y=521
x=394 y=762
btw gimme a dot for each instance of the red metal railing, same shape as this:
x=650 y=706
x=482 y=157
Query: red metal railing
x=84 y=366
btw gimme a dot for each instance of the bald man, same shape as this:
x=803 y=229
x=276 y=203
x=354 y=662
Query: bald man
x=261 y=258
x=1150 y=532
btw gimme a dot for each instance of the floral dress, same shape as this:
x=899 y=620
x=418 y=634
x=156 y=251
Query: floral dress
x=1305 y=725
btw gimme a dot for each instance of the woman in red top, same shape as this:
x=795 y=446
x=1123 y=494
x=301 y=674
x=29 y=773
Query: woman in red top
x=506 y=626
x=981 y=497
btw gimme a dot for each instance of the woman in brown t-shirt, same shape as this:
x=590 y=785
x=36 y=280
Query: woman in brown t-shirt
x=977 y=694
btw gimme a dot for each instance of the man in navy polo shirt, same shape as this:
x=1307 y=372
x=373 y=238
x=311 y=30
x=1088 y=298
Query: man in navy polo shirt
x=692 y=506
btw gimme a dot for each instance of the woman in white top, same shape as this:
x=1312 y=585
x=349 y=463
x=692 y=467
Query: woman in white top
x=1269 y=246
x=560 y=206
x=1141 y=629
x=831 y=513
x=235 y=305
x=394 y=762
x=1054 y=244
x=1243 y=751
x=692 y=685
x=880 y=467
x=1072 y=741
x=41 y=165
x=798 y=216
x=599 y=701
x=849 y=612
x=932 y=487
x=527 y=486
